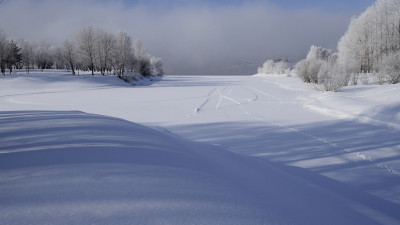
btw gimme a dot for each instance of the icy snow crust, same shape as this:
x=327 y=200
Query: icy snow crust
x=196 y=150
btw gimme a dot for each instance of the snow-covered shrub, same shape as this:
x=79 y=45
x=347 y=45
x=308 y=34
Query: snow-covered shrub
x=288 y=72
x=364 y=77
x=309 y=69
x=271 y=67
x=354 y=78
x=302 y=70
x=332 y=76
x=280 y=67
x=389 y=68
x=313 y=69
x=156 y=66
x=324 y=71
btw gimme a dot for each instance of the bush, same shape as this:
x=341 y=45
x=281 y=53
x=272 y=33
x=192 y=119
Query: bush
x=334 y=76
x=302 y=70
x=271 y=67
x=156 y=66
x=389 y=68
x=308 y=69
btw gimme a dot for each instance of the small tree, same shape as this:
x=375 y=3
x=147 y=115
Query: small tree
x=156 y=66
x=309 y=68
x=143 y=64
x=3 y=52
x=271 y=67
x=13 y=56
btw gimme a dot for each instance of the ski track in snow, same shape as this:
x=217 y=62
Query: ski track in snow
x=200 y=107
x=359 y=155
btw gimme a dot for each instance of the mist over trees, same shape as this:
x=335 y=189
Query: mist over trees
x=90 y=49
x=369 y=49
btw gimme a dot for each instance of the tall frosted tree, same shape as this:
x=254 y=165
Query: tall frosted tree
x=87 y=47
x=371 y=36
x=70 y=54
x=122 y=53
x=105 y=43
x=28 y=57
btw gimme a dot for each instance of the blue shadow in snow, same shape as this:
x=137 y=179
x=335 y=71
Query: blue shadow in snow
x=284 y=147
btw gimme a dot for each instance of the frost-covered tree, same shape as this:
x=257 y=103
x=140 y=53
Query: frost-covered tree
x=370 y=37
x=309 y=68
x=156 y=66
x=267 y=68
x=122 y=53
x=389 y=68
x=70 y=54
x=43 y=57
x=321 y=67
x=86 y=40
x=272 y=67
x=105 y=44
x=59 y=61
x=28 y=57
x=143 y=64
x=91 y=49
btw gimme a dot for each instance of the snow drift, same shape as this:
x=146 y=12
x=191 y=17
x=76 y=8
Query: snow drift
x=70 y=167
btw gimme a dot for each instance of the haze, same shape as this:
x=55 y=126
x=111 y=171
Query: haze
x=192 y=37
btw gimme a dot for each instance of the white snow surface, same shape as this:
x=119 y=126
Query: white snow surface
x=262 y=149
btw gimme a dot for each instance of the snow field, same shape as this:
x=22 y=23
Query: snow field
x=295 y=155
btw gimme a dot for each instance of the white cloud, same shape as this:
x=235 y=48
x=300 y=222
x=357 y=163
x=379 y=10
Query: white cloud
x=192 y=38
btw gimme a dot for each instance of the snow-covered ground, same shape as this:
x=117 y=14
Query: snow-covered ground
x=208 y=150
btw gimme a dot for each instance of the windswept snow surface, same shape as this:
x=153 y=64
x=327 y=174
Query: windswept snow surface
x=208 y=150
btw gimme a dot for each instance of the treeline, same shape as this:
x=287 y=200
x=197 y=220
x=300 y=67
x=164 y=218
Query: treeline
x=91 y=49
x=369 y=49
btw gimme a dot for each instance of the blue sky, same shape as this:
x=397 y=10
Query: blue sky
x=328 y=5
x=193 y=36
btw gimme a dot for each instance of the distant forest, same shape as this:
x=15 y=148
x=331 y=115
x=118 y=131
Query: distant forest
x=90 y=49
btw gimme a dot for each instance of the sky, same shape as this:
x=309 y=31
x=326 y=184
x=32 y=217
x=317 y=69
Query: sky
x=193 y=36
